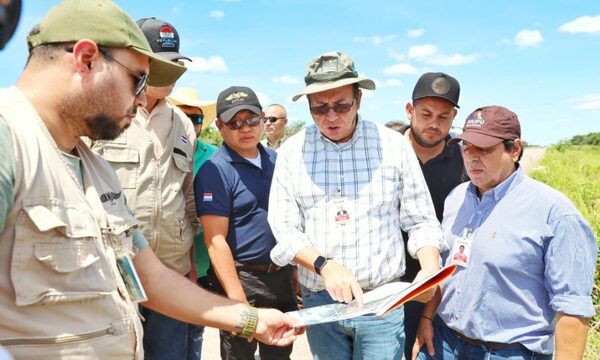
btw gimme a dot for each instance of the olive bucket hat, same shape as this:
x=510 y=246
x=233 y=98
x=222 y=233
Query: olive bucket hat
x=329 y=71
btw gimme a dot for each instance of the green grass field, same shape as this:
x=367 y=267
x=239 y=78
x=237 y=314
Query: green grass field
x=575 y=171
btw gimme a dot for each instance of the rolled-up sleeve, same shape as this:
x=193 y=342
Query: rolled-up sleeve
x=285 y=216
x=570 y=259
x=417 y=214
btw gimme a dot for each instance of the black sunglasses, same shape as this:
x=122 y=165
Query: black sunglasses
x=196 y=118
x=140 y=82
x=272 y=119
x=237 y=124
x=339 y=108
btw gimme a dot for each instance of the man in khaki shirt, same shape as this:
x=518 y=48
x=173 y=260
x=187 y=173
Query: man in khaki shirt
x=154 y=160
x=64 y=225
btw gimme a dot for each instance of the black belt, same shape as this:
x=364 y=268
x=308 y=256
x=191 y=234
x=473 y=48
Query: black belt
x=264 y=268
x=488 y=344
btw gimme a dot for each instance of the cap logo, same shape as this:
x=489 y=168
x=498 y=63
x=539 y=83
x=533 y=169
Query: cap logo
x=329 y=65
x=475 y=120
x=167 y=37
x=237 y=97
x=440 y=86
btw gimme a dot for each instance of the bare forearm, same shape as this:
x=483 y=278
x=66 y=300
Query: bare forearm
x=429 y=258
x=222 y=261
x=570 y=338
x=173 y=295
x=307 y=256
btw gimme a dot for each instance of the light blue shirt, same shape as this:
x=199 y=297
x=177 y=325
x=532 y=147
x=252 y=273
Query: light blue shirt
x=532 y=256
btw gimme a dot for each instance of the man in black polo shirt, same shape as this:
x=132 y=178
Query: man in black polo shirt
x=431 y=112
x=232 y=198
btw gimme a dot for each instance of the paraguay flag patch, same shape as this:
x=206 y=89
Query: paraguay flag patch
x=207 y=197
x=184 y=139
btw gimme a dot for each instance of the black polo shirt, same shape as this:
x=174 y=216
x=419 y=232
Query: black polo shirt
x=442 y=174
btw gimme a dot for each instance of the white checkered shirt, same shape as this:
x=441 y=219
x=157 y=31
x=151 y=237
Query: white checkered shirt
x=376 y=178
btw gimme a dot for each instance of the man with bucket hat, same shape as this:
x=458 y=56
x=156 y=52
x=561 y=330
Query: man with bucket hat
x=342 y=190
x=523 y=288
x=68 y=283
x=154 y=161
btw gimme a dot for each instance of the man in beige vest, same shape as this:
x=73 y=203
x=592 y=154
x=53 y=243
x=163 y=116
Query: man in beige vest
x=68 y=286
x=154 y=160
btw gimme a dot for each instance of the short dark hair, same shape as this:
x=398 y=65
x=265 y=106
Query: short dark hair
x=509 y=145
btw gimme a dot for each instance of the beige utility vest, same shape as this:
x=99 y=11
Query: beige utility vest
x=153 y=184
x=61 y=294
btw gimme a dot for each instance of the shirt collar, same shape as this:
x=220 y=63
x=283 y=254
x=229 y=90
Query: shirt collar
x=358 y=132
x=161 y=107
x=504 y=187
x=231 y=156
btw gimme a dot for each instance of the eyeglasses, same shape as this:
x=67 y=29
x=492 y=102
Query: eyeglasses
x=338 y=108
x=196 y=118
x=237 y=124
x=272 y=119
x=140 y=82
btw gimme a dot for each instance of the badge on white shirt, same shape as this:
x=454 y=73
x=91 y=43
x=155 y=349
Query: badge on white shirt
x=341 y=215
x=461 y=251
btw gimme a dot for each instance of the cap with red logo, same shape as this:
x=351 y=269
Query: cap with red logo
x=163 y=38
x=488 y=126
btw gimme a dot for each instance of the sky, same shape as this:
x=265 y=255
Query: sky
x=540 y=59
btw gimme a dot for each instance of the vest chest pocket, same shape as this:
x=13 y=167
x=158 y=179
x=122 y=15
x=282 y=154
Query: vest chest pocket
x=125 y=161
x=57 y=255
x=182 y=162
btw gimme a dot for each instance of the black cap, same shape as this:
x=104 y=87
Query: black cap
x=163 y=38
x=438 y=85
x=234 y=99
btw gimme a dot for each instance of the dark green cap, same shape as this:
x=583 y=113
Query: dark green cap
x=106 y=24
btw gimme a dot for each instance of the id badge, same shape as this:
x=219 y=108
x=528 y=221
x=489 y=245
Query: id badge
x=341 y=215
x=461 y=251
x=130 y=278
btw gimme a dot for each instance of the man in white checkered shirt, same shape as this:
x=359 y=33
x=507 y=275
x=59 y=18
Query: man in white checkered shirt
x=341 y=192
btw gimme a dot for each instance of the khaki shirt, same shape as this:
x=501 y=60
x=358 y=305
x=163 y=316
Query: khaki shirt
x=61 y=294
x=157 y=179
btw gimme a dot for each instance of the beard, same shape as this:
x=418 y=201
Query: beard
x=424 y=143
x=89 y=115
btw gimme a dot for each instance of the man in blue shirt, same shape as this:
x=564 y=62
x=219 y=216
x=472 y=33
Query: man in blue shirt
x=524 y=289
x=232 y=198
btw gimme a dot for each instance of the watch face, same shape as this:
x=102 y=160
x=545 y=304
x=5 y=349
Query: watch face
x=319 y=263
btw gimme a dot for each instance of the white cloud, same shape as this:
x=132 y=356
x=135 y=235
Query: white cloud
x=175 y=9
x=584 y=24
x=214 y=64
x=393 y=82
x=589 y=102
x=375 y=40
x=397 y=56
x=452 y=59
x=415 y=33
x=263 y=98
x=217 y=14
x=398 y=69
x=429 y=54
x=421 y=51
x=286 y=79
x=528 y=38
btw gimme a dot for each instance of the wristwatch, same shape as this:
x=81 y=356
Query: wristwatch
x=320 y=263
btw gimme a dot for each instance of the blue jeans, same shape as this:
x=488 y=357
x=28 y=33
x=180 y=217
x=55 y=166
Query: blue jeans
x=167 y=338
x=363 y=337
x=448 y=346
